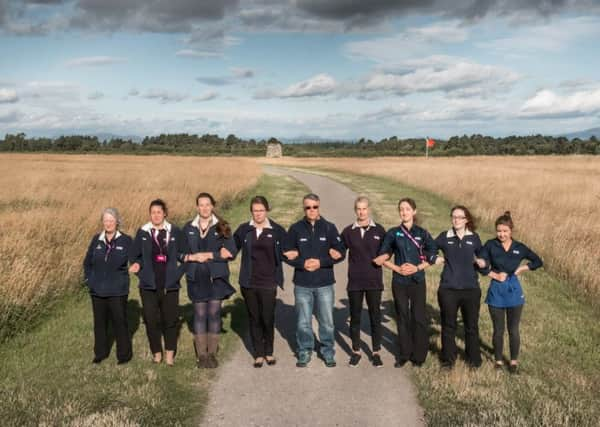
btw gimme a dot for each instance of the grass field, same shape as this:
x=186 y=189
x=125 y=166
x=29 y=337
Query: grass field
x=559 y=384
x=47 y=378
x=554 y=200
x=50 y=207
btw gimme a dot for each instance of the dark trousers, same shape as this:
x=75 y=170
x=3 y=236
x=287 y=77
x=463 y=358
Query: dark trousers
x=355 y=299
x=513 y=318
x=161 y=313
x=261 y=314
x=413 y=339
x=115 y=310
x=468 y=302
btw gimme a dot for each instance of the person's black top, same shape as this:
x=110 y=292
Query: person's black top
x=105 y=265
x=501 y=261
x=363 y=245
x=460 y=269
x=396 y=241
x=314 y=242
x=159 y=247
x=142 y=253
x=264 y=254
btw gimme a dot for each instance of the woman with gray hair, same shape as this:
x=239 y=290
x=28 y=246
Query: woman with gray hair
x=106 y=275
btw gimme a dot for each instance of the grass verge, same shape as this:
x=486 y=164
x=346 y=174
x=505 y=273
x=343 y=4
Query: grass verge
x=559 y=383
x=47 y=378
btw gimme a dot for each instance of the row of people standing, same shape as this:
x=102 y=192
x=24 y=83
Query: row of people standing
x=161 y=253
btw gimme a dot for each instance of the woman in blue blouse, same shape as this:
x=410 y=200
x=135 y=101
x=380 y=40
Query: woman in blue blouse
x=505 y=298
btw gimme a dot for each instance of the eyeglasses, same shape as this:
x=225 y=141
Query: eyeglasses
x=313 y=207
x=458 y=217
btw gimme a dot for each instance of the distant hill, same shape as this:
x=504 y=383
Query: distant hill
x=584 y=134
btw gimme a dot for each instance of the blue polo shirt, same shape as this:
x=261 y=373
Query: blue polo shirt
x=508 y=293
x=405 y=251
x=460 y=270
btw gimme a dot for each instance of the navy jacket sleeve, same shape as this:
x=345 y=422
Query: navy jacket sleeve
x=484 y=253
x=238 y=238
x=135 y=253
x=87 y=262
x=227 y=243
x=292 y=244
x=389 y=241
x=429 y=248
x=535 y=261
x=183 y=247
x=335 y=242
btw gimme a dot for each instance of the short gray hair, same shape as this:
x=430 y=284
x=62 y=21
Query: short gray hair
x=112 y=212
x=311 y=196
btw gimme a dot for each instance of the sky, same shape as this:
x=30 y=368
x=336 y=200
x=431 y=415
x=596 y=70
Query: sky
x=334 y=69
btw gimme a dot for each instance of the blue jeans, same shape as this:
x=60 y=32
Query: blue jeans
x=306 y=298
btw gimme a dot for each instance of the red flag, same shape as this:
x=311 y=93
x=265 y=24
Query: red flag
x=430 y=142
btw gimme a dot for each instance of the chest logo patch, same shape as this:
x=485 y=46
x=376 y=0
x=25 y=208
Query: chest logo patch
x=516 y=252
x=322 y=239
x=303 y=239
x=468 y=242
x=377 y=237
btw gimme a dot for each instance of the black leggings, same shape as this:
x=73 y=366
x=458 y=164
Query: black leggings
x=355 y=299
x=513 y=318
x=207 y=317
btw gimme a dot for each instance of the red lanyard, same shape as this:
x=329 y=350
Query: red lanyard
x=155 y=238
x=412 y=239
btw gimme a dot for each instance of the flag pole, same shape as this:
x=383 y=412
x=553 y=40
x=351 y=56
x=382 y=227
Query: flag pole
x=427 y=147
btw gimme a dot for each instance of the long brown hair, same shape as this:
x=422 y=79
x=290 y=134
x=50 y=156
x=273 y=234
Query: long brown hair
x=470 y=219
x=223 y=227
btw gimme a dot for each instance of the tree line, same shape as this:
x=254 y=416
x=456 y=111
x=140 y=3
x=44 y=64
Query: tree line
x=214 y=145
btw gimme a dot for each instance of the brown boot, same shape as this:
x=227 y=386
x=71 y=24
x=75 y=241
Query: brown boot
x=213 y=345
x=201 y=344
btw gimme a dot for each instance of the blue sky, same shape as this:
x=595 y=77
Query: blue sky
x=331 y=69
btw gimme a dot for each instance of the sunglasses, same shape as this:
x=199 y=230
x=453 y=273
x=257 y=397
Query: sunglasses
x=308 y=208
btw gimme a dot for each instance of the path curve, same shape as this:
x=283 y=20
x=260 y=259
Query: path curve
x=317 y=396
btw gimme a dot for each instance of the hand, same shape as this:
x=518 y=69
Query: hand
x=439 y=260
x=407 y=269
x=291 y=255
x=521 y=269
x=134 y=268
x=312 y=264
x=224 y=253
x=334 y=254
x=500 y=277
x=381 y=259
x=480 y=262
x=201 y=256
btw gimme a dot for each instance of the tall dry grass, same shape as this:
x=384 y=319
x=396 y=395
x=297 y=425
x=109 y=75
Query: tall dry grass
x=50 y=207
x=555 y=201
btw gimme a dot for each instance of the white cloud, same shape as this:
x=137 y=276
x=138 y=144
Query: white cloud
x=547 y=104
x=208 y=96
x=164 y=96
x=242 y=73
x=192 y=53
x=94 y=61
x=8 y=96
x=412 y=42
x=319 y=85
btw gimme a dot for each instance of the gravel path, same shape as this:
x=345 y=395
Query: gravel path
x=316 y=396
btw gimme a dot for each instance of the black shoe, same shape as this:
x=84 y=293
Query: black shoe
x=400 y=363
x=354 y=359
x=377 y=362
x=498 y=366
x=271 y=362
x=447 y=365
x=123 y=362
x=202 y=362
x=416 y=364
x=474 y=365
x=258 y=364
x=513 y=369
x=98 y=359
x=212 y=362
